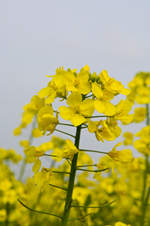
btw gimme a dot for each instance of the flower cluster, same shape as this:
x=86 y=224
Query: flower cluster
x=67 y=186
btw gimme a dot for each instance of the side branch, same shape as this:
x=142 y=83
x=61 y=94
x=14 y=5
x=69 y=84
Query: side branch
x=100 y=152
x=38 y=211
x=60 y=131
x=95 y=207
x=99 y=116
x=55 y=186
x=93 y=171
x=62 y=172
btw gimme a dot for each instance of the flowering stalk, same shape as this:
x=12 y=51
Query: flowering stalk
x=144 y=198
x=71 y=180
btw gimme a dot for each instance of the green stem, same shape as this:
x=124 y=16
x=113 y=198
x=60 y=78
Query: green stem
x=144 y=198
x=94 y=171
x=94 y=207
x=99 y=116
x=148 y=114
x=62 y=172
x=60 y=131
x=71 y=180
x=55 y=186
x=49 y=155
x=100 y=152
x=37 y=211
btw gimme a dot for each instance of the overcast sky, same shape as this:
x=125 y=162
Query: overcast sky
x=39 y=35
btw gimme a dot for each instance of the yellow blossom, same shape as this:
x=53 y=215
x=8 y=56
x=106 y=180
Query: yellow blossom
x=77 y=110
x=66 y=149
x=128 y=138
x=24 y=143
x=112 y=85
x=46 y=120
x=3 y=215
x=139 y=114
x=124 y=155
x=36 y=132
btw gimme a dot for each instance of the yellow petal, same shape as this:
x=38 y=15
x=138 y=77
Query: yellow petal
x=105 y=108
x=125 y=91
x=36 y=166
x=17 y=131
x=24 y=143
x=65 y=112
x=87 y=107
x=74 y=99
x=44 y=92
x=50 y=98
x=96 y=90
x=77 y=120
x=86 y=68
x=36 y=132
x=104 y=77
x=92 y=126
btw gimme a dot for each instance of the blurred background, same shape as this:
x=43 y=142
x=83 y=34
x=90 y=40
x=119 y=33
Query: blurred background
x=38 y=36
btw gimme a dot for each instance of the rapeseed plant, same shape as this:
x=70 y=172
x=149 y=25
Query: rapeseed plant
x=73 y=190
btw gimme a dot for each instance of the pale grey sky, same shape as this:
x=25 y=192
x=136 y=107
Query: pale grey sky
x=39 y=35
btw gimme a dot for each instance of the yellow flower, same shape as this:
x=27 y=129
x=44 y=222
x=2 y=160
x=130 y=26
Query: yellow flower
x=53 y=90
x=143 y=144
x=79 y=82
x=36 y=132
x=104 y=130
x=139 y=114
x=105 y=107
x=80 y=194
x=42 y=178
x=9 y=154
x=121 y=156
x=49 y=93
x=112 y=85
x=35 y=104
x=140 y=88
x=69 y=150
x=63 y=149
x=93 y=126
x=17 y=131
x=128 y=138
x=24 y=143
x=77 y=110
x=3 y=215
x=143 y=95
x=46 y=120
x=102 y=104
x=122 y=110
x=36 y=166
x=30 y=110
x=137 y=81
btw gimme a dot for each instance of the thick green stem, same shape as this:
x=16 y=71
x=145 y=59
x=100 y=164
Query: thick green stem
x=148 y=115
x=71 y=180
x=144 y=198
